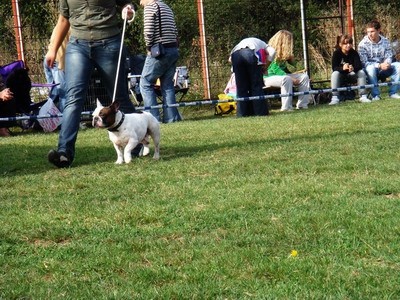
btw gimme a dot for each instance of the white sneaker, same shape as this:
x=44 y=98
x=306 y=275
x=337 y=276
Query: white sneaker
x=376 y=98
x=364 y=99
x=334 y=100
x=395 y=96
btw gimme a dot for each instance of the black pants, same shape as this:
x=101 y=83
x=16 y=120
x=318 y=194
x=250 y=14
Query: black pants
x=249 y=82
x=7 y=109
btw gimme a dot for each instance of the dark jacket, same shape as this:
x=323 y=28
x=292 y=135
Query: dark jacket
x=2 y=84
x=339 y=59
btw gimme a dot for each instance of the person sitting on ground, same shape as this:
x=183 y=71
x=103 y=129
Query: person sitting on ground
x=347 y=68
x=250 y=59
x=377 y=59
x=7 y=107
x=278 y=75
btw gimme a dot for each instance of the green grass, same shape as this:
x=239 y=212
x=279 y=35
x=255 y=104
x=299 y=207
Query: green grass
x=217 y=217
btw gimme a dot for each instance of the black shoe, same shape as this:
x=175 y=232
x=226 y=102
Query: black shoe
x=59 y=158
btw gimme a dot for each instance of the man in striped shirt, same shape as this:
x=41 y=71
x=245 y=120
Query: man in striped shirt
x=160 y=27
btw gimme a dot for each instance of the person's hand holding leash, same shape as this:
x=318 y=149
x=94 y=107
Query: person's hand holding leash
x=128 y=13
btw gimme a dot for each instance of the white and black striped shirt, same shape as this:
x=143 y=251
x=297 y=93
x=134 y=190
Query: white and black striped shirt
x=152 y=34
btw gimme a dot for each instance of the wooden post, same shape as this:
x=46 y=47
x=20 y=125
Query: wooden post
x=203 y=47
x=350 y=20
x=17 y=30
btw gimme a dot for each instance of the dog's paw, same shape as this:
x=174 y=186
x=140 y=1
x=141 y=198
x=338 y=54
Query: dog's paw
x=145 y=150
x=119 y=162
x=128 y=159
x=156 y=156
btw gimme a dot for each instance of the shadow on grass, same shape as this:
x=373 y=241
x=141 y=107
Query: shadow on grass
x=17 y=160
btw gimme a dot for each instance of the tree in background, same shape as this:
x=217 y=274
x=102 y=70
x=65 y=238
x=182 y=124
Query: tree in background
x=227 y=22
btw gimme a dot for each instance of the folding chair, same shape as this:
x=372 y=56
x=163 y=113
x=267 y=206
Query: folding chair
x=181 y=84
x=181 y=81
x=136 y=63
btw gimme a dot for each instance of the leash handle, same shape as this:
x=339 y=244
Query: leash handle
x=120 y=53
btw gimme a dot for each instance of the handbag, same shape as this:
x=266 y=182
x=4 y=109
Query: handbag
x=157 y=50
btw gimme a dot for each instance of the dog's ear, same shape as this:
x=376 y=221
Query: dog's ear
x=98 y=103
x=115 y=106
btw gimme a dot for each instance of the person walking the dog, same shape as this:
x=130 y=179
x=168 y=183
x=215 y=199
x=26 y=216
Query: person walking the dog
x=160 y=31
x=94 y=42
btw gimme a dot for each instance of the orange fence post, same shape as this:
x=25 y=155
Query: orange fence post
x=350 y=20
x=203 y=46
x=17 y=30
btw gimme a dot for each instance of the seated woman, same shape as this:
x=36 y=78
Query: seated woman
x=278 y=76
x=347 y=68
x=7 y=107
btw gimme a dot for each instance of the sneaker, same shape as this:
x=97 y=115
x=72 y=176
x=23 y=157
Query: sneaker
x=334 y=100
x=395 y=96
x=59 y=158
x=364 y=99
x=376 y=98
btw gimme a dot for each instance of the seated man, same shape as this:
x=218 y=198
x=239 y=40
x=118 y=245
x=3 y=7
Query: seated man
x=376 y=56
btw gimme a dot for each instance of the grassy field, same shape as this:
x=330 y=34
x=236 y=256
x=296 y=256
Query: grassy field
x=301 y=205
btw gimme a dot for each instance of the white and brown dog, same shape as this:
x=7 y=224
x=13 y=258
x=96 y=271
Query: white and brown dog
x=127 y=130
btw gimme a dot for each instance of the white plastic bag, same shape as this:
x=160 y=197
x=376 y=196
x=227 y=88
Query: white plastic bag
x=49 y=124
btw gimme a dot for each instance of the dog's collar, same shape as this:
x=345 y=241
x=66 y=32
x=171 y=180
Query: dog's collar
x=115 y=128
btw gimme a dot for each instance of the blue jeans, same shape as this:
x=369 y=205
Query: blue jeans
x=55 y=75
x=164 y=69
x=374 y=75
x=342 y=79
x=81 y=58
x=249 y=82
